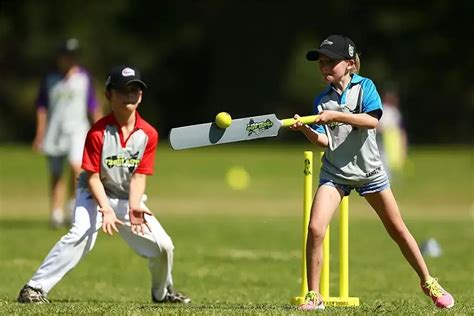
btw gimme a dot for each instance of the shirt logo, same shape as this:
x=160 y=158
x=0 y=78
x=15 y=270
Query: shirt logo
x=120 y=161
x=127 y=72
x=326 y=42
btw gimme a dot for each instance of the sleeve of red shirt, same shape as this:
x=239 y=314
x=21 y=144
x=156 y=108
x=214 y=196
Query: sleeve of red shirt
x=146 y=166
x=93 y=150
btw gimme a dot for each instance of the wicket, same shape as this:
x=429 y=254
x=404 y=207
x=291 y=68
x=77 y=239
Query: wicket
x=343 y=299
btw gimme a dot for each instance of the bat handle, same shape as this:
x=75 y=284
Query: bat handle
x=304 y=119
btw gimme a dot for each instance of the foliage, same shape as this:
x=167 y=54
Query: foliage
x=203 y=57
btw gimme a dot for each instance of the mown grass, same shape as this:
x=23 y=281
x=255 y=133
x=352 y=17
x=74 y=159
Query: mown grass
x=239 y=252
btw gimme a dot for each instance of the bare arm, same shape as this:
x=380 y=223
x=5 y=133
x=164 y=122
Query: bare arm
x=317 y=139
x=98 y=193
x=137 y=189
x=41 y=120
x=137 y=212
x=362 y=120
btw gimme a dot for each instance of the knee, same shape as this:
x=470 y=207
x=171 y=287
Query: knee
x=398 y=233
x=316 y=232
x=163 y=250
x=166 y=245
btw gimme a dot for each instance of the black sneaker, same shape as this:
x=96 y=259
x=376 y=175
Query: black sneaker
x=172 y=296
x=29 y=294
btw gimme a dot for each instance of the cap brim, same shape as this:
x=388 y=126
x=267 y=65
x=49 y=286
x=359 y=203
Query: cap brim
x=137 y=81
x=313 y=55
x=118 y=86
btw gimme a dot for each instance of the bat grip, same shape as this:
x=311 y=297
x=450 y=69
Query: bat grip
x=303 y=119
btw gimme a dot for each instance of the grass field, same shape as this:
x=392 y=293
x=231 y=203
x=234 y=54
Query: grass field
x=239 y=252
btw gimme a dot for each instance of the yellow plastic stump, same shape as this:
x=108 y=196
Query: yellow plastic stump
x=343 y=299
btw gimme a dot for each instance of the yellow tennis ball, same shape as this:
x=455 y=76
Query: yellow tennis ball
x=223 y=120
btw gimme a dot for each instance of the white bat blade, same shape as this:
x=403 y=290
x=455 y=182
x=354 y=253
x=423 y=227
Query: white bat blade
x=209 y=134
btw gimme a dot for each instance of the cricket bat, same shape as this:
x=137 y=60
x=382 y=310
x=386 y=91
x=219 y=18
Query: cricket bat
x=241 y=129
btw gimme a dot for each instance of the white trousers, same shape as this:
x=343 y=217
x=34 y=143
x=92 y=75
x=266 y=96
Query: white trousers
x=155 y=245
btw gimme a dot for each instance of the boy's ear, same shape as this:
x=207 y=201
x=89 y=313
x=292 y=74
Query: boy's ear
x=351 y=63
x=108 y=94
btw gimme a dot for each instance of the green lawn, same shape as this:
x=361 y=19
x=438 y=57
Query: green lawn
x=239 y=252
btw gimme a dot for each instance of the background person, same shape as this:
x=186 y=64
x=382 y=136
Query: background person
x=391 y=134
x=65 y=104
x=349 y=110
x=119 y=154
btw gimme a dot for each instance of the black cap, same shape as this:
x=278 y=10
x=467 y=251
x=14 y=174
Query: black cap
x=120 y=76
x=69 y=47
x=335 y=47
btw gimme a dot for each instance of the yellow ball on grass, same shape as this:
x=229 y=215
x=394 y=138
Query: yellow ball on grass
x=238 y=178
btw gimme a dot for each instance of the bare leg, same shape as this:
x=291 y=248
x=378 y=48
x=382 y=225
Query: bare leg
x=57 y=191
x=387 y=209
x=325 y=203
x=75 y=171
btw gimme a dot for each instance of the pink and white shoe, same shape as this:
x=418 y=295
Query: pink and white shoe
x=312 y=301
x=440 y=296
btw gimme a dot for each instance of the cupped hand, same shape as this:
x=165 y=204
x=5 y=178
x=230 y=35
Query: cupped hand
x=137 y=220
x=37 y=144
x=109 y=220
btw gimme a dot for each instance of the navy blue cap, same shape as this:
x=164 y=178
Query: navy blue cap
x=120 y=76
x=335 y=47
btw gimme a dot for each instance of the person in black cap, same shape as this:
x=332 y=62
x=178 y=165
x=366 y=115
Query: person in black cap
x=118 y=156
x=65 y=106
x=348 y=111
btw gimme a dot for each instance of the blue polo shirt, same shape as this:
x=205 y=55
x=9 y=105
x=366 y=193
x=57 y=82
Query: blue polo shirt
x=352 y=156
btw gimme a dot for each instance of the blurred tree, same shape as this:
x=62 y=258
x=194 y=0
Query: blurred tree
x=245 y=57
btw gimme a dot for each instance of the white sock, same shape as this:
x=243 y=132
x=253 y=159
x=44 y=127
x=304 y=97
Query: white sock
x=57 y=216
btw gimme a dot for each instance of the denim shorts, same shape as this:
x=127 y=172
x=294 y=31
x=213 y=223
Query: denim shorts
x=56 y=164
x=371 y=187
